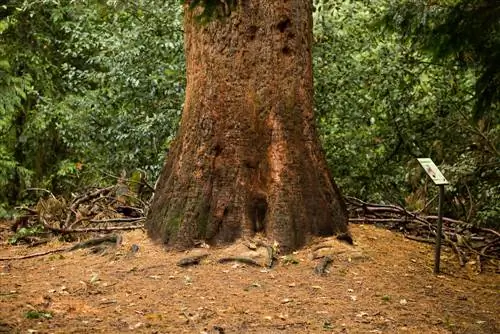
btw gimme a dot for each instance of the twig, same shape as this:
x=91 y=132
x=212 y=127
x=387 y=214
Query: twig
x=419 y=239
x=29 y=256
x=24 y=208
x=428 y=203
x=445 y=219
x=485 y=248
x=116 y=239
x=490 y=230
x=79 y=200
x=456 y=250
x=41 y=189
x=470 y=201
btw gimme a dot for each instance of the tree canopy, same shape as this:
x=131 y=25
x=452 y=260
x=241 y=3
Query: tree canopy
x=466 y=31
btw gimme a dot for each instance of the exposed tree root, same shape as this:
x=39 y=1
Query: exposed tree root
x=115 y=208
x=245 y=260
x=191 y=260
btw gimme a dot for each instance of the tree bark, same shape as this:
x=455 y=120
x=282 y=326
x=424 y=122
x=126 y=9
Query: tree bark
x=247 y=158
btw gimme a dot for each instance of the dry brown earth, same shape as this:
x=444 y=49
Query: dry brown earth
x=384 y=285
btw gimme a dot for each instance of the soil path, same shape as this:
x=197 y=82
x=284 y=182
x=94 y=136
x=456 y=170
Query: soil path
x=390 y=288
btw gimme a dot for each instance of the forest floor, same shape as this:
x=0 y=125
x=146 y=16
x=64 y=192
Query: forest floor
x=389 y=288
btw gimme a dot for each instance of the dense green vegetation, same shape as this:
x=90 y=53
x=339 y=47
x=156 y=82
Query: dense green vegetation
x=91 y=88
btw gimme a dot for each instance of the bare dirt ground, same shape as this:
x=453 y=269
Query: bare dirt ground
x=390 y=288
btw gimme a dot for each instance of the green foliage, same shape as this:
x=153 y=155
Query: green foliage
x=211 y=9
x=25 y=232
x=35 y=314
x=95 y=87
x=124 y=110
x=381 y=103
x=466 y=31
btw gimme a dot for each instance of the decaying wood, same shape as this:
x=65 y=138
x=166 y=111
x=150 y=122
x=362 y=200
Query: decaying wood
x=90 y=229
x=321 y=268
x=99 y=207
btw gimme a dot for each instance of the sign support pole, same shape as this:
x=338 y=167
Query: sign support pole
x=437 y=255
x=439 y=180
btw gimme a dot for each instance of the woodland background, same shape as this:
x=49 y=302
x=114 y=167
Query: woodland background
x=89 y=89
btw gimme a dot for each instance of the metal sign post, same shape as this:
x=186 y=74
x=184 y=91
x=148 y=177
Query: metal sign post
x=438 y=178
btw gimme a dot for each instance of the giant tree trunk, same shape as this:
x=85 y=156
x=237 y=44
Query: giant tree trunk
x=247 y=158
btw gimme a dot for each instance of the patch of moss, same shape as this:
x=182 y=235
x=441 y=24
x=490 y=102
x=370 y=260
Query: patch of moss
x=203 y=218
x=173 y=224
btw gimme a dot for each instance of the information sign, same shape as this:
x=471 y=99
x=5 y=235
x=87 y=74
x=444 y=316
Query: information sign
x=431 y=169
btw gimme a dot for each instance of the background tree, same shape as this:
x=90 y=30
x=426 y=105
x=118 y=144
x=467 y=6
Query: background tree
x=464 y=37
x=247 y=158
x=86 y=87
x=100 y=87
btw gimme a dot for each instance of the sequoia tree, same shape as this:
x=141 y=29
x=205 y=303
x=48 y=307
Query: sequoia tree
x=247 y=158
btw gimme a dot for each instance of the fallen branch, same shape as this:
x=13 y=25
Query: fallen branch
x=414 y=225
x=420 y=239
x=490 y=231
x=116 y=239
x=115 y=220
x=457 y=251
x=29 y=256
x=92 y=229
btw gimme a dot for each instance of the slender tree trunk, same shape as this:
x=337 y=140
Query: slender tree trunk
x=247 y=158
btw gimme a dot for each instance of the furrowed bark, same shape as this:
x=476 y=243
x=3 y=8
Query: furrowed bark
x=247 y=158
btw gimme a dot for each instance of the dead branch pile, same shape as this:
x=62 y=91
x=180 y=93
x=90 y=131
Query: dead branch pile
x=466 y=240
x=95 y=210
